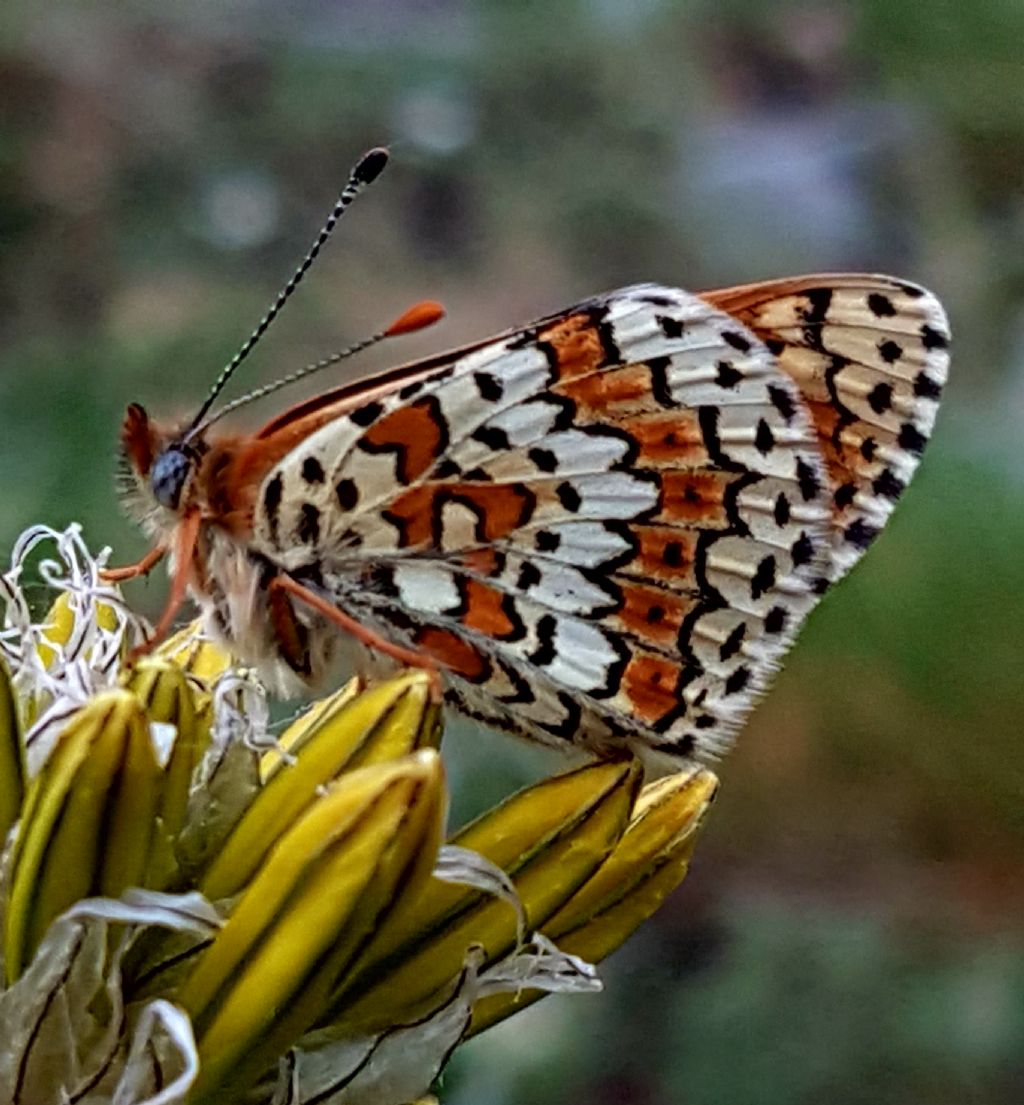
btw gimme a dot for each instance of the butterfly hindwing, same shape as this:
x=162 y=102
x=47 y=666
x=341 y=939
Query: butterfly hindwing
x=870 y=357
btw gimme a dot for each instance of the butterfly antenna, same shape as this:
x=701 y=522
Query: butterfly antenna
x=418 y=317
x=366 y=170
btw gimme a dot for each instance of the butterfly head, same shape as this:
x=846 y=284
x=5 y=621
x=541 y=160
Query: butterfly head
x=170 y=475
x=160 y=465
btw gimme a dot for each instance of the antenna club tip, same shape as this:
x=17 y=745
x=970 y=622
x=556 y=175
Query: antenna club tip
x=418 y=317
x=371 y=165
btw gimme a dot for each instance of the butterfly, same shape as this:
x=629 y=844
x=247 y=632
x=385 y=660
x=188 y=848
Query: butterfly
x=603 y=528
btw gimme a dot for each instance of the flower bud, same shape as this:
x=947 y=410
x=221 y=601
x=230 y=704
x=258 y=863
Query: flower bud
x=384 y=723
x=325 y=886
x=87 y=822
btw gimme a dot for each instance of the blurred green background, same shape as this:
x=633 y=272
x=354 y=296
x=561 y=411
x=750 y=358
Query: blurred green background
x=851 y=930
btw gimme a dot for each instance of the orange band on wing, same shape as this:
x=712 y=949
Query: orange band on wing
x=577 y=346
x=652 y=613
x=650 y=684
x=486 y=610
x=668 y=439
x=498 y=509
x=695 y=497
x=665 y=553
x=454 y=652
x=621 y=389
x=415 y=432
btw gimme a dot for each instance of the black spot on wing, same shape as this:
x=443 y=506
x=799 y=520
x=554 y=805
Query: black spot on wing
x=764 y=439
x=545 y=652
x=493 y=437
x=925 y=387
x=446 y=469
x=880 y=398
x=932 y=338
x=775 y=620
x=807 y=480
x=490 y=387
x=656 y=300
x=802 y=550
x=347 y=493
x=737 y=341
x=543 y=458
x=272 y=504
x=411 y=389
x=890 y=351
x=782 y=401
x=764 y=578
x=529 y=576
x=844 y=494
x=731 y=645
x=888 y=486
x=881 y=306
x=312 y=470
x=818 y=302
x=860 y=534
x=727 y=375
x=366 y=414
x=308 y=529
x=672 y=554
x=737 y=680
x=568 y=496
x=911 y=439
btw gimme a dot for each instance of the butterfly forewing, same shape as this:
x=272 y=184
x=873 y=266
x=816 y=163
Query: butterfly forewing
x=606 y=526
x=870 y=357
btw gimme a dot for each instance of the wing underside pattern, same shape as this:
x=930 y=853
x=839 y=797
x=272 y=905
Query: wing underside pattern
x=606 y=527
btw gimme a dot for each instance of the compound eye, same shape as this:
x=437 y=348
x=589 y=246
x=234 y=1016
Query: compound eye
x=167 y=478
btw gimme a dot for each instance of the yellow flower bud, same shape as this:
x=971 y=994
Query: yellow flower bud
x=650 y=860
x=12 y=762
x=329 y=881
x=549 y=839
x=381 y=724
x=87 y=823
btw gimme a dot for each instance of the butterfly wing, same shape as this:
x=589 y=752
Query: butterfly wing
x=606 y=526
x=870 y=357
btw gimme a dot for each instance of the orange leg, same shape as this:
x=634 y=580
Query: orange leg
x=139 y=568
x=185 y=540
x=410 y=657
x=289 y=634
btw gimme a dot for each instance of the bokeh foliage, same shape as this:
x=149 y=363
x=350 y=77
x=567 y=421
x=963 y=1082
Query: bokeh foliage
x=859 y=894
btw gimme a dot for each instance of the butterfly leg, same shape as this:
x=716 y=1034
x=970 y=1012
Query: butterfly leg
x=185 y=540
x=410 y=657
x=139 y=568
x=289 y=633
